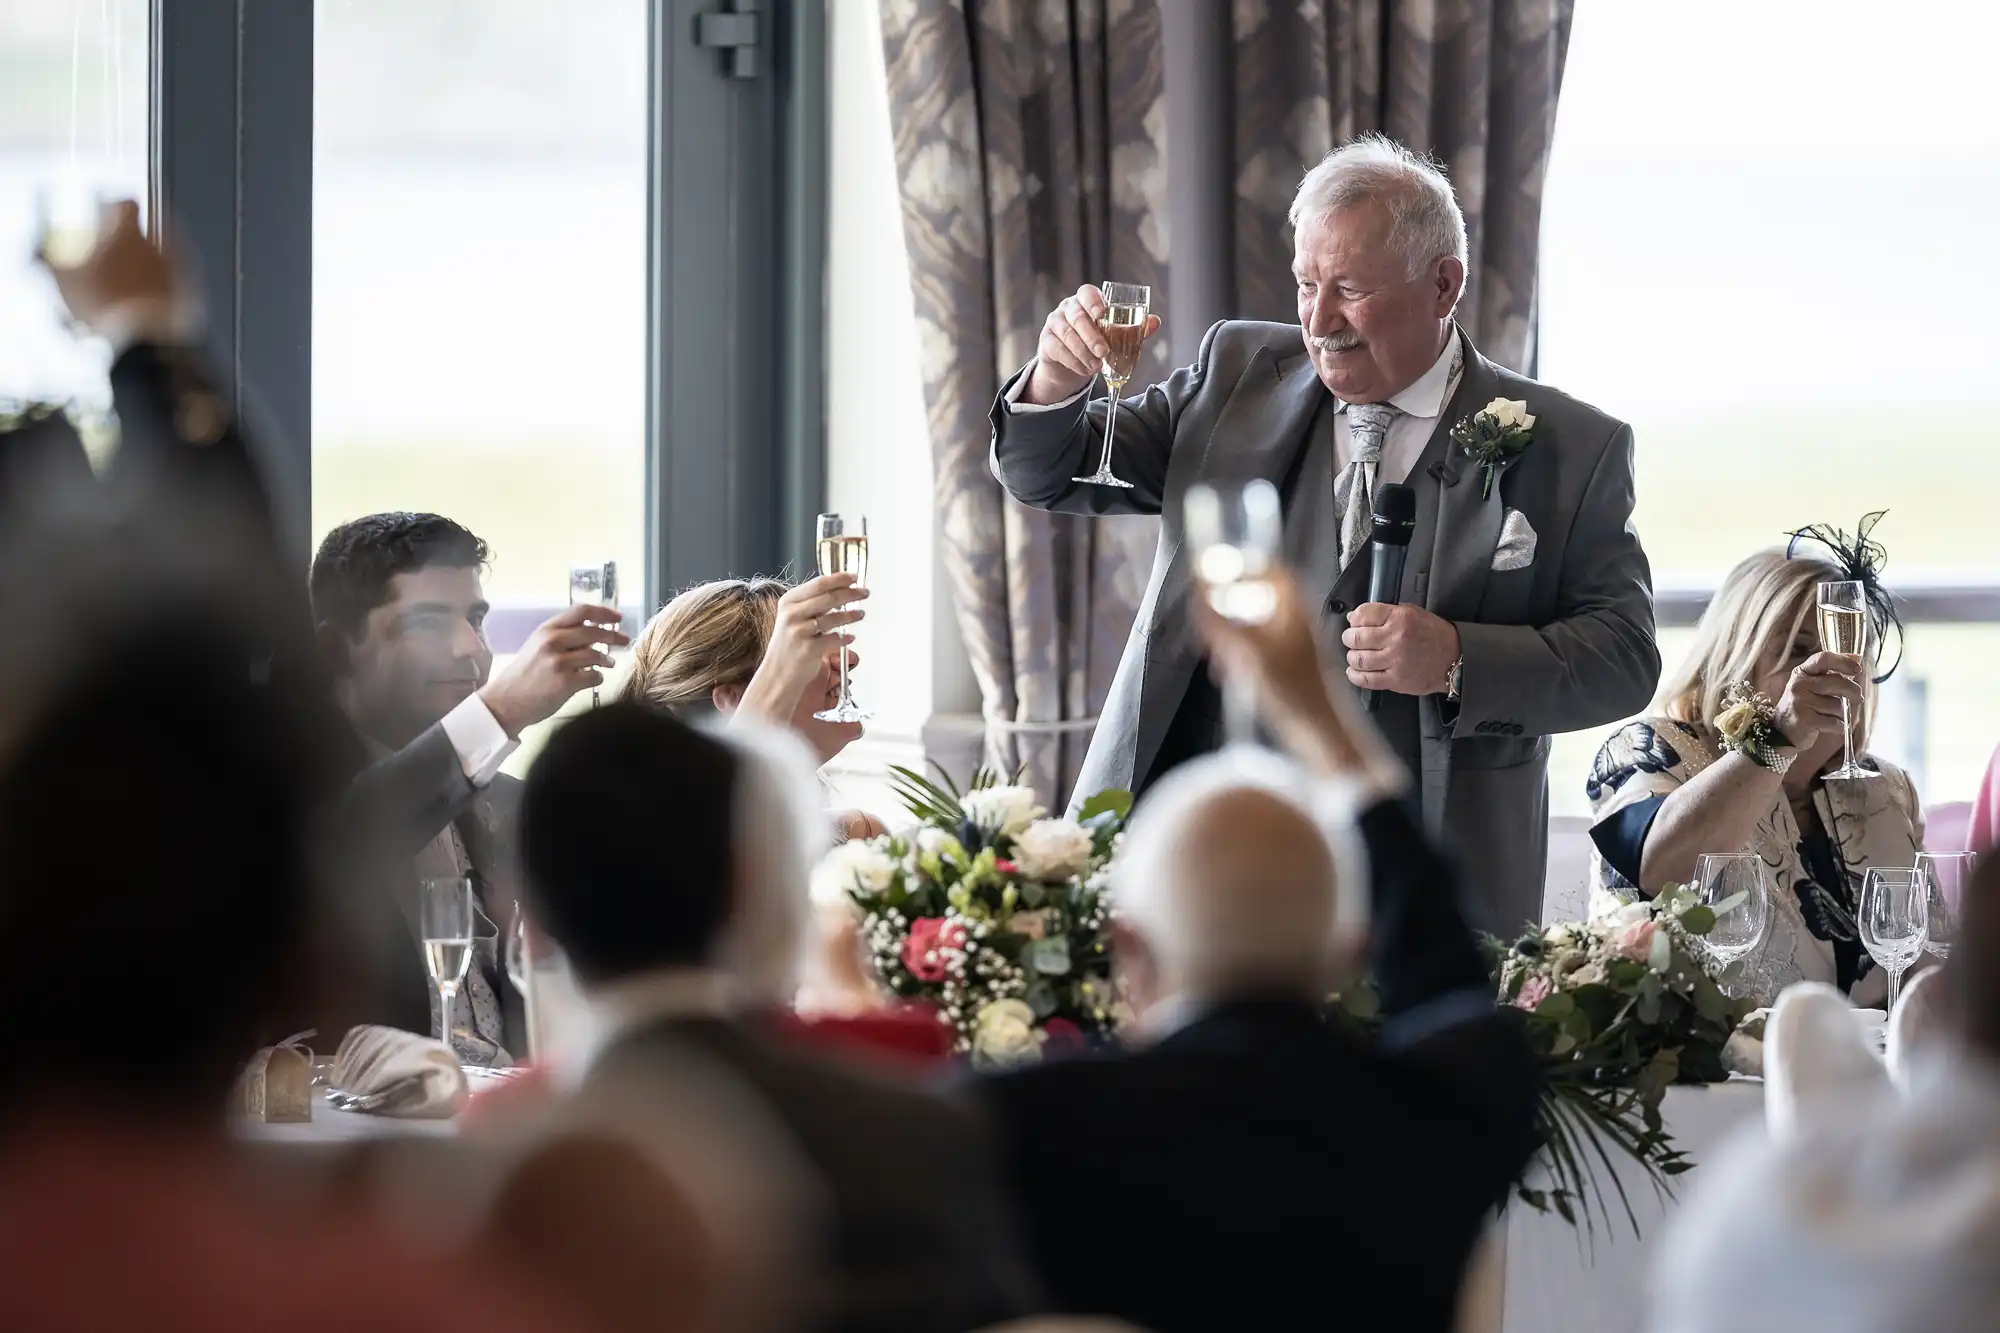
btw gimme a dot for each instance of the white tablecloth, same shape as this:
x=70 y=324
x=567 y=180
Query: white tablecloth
x=1557 y=1281
x=331 y=1126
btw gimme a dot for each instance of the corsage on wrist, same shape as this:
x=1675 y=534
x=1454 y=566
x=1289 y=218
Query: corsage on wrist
x=1749 y=726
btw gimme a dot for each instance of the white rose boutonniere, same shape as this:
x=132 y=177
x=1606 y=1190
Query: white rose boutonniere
x=853 y=868
x=1495 y=434
x=1003 y=810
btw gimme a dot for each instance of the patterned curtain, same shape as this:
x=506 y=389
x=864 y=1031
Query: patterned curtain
x=1030 y=145
x=1472 y=82
x=1029 y=149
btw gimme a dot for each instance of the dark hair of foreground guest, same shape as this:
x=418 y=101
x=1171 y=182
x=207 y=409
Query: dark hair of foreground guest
x=1975 y=961
x=157 y=868
x=623 y=767
x=359 y=559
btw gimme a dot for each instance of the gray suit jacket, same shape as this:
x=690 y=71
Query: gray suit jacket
x=1564 y=644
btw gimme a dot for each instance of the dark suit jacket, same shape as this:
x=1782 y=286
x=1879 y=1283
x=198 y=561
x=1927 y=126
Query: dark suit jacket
x=398 y=803
x=1260 y=1169
x=919 y=1239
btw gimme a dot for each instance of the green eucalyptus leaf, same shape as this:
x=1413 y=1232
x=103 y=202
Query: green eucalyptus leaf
x=1698 y=920
x=1113 y=801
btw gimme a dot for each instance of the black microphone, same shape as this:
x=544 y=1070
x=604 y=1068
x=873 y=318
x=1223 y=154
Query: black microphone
x=1391 y=526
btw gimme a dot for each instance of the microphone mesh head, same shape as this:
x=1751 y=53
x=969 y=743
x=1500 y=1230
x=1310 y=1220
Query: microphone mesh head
x=1395 y=517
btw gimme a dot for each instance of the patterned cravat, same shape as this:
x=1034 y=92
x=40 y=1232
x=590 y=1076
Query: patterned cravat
x=478 y=1027
x=1354 y=488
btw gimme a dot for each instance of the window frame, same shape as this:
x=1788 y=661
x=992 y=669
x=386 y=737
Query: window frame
x=735 y=273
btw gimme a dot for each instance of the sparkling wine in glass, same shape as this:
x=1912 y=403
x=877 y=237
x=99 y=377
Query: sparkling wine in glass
x=445 y=918
x=1736 y=886
x=594 y=585
x=1894 y=921
x=842 y=548
x=1843 y=628
x=1234 y=531
x=1946 y=876
x=1123 y=324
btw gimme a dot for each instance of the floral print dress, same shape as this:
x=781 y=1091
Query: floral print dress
x=1815 y=882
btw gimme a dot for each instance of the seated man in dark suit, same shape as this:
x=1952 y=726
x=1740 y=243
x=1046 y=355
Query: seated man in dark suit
x=681 y=950
x=401 y=622
x=1251 y=1166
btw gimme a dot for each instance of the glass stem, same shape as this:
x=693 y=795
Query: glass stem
x=444 y=1015
x=1895 y=987
x=1110 y=420
x=841 y=647
x=1846 y=738
x=1239 y=712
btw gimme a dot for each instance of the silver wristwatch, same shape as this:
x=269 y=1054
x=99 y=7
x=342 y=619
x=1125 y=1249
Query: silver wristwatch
x=1451 y=679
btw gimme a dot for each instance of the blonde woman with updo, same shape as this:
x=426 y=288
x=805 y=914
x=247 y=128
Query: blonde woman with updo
x=757 y=648
x=1667 y=788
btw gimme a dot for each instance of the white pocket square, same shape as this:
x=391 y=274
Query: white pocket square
x=1517 y=543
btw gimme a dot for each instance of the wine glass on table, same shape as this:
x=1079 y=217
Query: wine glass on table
x=594 y=585
x=445 y=918
x=1234 y=531
x=842 y=548
x=1123 y=323
x=1843 y=628
x=1736 y=886
x=1894 y=921
x=1946 y=876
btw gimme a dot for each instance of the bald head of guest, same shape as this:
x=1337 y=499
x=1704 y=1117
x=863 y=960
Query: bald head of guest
x=1228 y=888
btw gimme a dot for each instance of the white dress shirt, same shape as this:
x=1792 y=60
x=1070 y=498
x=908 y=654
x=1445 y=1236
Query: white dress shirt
x=481 y=742
x=1421 y=405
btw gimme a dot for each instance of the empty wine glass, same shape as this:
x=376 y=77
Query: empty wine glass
x=594 y=585
x=1123 y=324
x=1894 y=921
x=1234 y=531
x=1736 y=886
x=1946 y=875
x=445 y=918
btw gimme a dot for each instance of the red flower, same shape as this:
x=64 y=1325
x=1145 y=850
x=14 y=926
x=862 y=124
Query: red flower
x=923 y=951
x=1063 y=1034
x=1006 y=867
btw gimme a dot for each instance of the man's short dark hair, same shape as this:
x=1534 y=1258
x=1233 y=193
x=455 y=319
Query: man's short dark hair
x=358 y=560
x=614 y=770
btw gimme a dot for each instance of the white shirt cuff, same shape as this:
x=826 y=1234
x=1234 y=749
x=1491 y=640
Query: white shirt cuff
x=482 y=743
x=1012 y=398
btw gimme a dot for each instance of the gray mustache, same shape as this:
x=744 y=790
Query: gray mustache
x=1336 y=342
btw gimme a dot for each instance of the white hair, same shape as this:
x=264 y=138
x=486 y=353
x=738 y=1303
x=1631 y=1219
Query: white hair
x=1425 y=223
x=781 y=832
x=1194 y=934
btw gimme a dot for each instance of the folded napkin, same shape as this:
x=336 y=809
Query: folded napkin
x=418 y=1078
x=276 y=1086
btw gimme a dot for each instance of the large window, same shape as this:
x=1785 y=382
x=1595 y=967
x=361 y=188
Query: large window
x=479 y=277
x=1782 y=280
x=73 y=102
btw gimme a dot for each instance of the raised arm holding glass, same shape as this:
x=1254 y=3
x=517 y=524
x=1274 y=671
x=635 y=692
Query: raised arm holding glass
x=1525 y=605
x=1745 y=755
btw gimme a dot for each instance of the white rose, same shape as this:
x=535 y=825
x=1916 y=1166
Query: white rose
x=936 y=842
x=1052 y=849
x=1628 y=914
x=1005 y=1033
x=852 y=867
x=1510 y=413
x=1005 y=810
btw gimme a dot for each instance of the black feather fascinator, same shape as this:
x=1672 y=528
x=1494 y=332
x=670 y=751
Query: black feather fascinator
x=1860 y=559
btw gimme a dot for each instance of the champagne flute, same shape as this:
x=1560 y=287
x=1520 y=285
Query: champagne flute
x=1123 y=324
x=445 y=919
x=1234 y=531
x=1843 y=628
x=594 y=585
x=70 y=216
x=1736 y=886
x=842 y=548
x=1946 y=876
x=1893 y=921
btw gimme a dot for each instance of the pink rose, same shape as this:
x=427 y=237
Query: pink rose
x=1533 y=991
x=923 y=951
x=1636 y=942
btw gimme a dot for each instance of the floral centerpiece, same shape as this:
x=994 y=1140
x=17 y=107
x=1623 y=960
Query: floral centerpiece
x=991 y=912
x=1620 y=1008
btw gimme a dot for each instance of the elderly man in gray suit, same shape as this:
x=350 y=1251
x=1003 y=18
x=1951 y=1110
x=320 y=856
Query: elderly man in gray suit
x=1525 y=608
